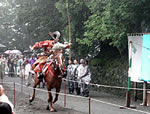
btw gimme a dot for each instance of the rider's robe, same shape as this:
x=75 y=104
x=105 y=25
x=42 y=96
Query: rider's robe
x=47 y=45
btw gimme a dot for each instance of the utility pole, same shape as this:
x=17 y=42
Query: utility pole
x=68 y=15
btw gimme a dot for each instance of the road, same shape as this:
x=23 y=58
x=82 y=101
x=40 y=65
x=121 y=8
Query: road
x=101 y=103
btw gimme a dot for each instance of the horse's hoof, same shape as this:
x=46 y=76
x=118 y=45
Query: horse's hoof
x=53 y=110
x=30 y=100
x=30 y=103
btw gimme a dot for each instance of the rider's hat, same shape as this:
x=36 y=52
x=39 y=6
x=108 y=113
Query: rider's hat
x=55 y=34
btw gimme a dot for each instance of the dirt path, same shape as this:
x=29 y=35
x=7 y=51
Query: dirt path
x=106 y=104
x=37 y=107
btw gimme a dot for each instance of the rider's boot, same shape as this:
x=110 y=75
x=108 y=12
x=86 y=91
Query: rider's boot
x=40 y=75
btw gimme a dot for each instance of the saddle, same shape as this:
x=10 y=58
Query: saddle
x=41 y=59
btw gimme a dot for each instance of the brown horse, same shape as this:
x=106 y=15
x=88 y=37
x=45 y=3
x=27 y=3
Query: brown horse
x=53 y=79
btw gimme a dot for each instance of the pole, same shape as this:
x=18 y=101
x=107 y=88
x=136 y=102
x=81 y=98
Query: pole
x=65 y=93
x=89 y=105
x=128 y=95
x=14 y=96
x=135 y=92
x=21 y=81
x=69 y=24
x=144 y=94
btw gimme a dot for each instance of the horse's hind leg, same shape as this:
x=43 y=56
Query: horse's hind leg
x=36 y=82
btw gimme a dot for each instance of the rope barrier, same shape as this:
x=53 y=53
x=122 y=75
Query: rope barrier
x=87 y=98
x=109 y=86
x=6 y=82
x=69 y=95
x=100 y=85
x=100 y=101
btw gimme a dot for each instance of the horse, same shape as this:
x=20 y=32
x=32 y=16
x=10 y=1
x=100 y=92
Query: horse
x=53 y=79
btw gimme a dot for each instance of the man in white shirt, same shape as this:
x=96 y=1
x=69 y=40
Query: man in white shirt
x=75 y=74
x=27 y=72
x=84 y=75
x=4 y=98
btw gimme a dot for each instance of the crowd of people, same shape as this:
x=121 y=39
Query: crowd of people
x=78 y=76
x=16 y=66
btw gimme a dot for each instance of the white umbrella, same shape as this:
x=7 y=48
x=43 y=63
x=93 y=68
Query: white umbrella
x=7 y=52
x=15 y=52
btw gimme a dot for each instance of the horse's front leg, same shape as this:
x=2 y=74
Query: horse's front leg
x=56 y=96
x=50 y=101
x=36 y=82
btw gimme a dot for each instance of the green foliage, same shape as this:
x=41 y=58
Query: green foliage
x=111 y=20
x=93 y=22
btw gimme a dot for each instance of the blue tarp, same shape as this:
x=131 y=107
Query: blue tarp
x=145 y=66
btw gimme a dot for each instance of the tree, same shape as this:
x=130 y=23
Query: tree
x=111 y=20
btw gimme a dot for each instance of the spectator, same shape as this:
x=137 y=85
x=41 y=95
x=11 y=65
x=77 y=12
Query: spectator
x=84 y=77
x=75 y=74
x=27 y=72
x=15 y=65
x=70 y=77
x=11 y=66
x=5 y=108
x=3 y=100
x=2 y=64
x=79 y=72
x=32 y=60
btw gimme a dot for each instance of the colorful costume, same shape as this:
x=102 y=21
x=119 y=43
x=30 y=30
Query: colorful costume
x=47 y=45
x=50 y=47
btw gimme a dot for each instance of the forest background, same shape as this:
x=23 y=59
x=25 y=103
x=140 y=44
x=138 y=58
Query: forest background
x=99 y=30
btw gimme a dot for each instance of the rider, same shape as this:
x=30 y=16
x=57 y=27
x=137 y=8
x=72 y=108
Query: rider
x=50 y=47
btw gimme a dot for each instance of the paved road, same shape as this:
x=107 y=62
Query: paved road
x=106 y=104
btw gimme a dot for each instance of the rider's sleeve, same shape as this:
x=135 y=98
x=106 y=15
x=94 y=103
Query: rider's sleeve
x=61 y=46
x=68 y=46
x=36 y=45
x=42 y=44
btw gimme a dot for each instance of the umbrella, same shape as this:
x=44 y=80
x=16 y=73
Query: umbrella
x=7 y=52
x=15 y=52
x=1 y=45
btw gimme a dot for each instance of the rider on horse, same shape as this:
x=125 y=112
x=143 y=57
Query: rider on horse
x=50 y=47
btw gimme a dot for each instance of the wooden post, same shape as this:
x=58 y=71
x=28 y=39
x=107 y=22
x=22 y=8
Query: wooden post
x=65 y=93
x=128 y=93
x=129 y=77
x=89 y=105
x=135 y=92
x=21 y=84
x=14 y=96
x=144 y=94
